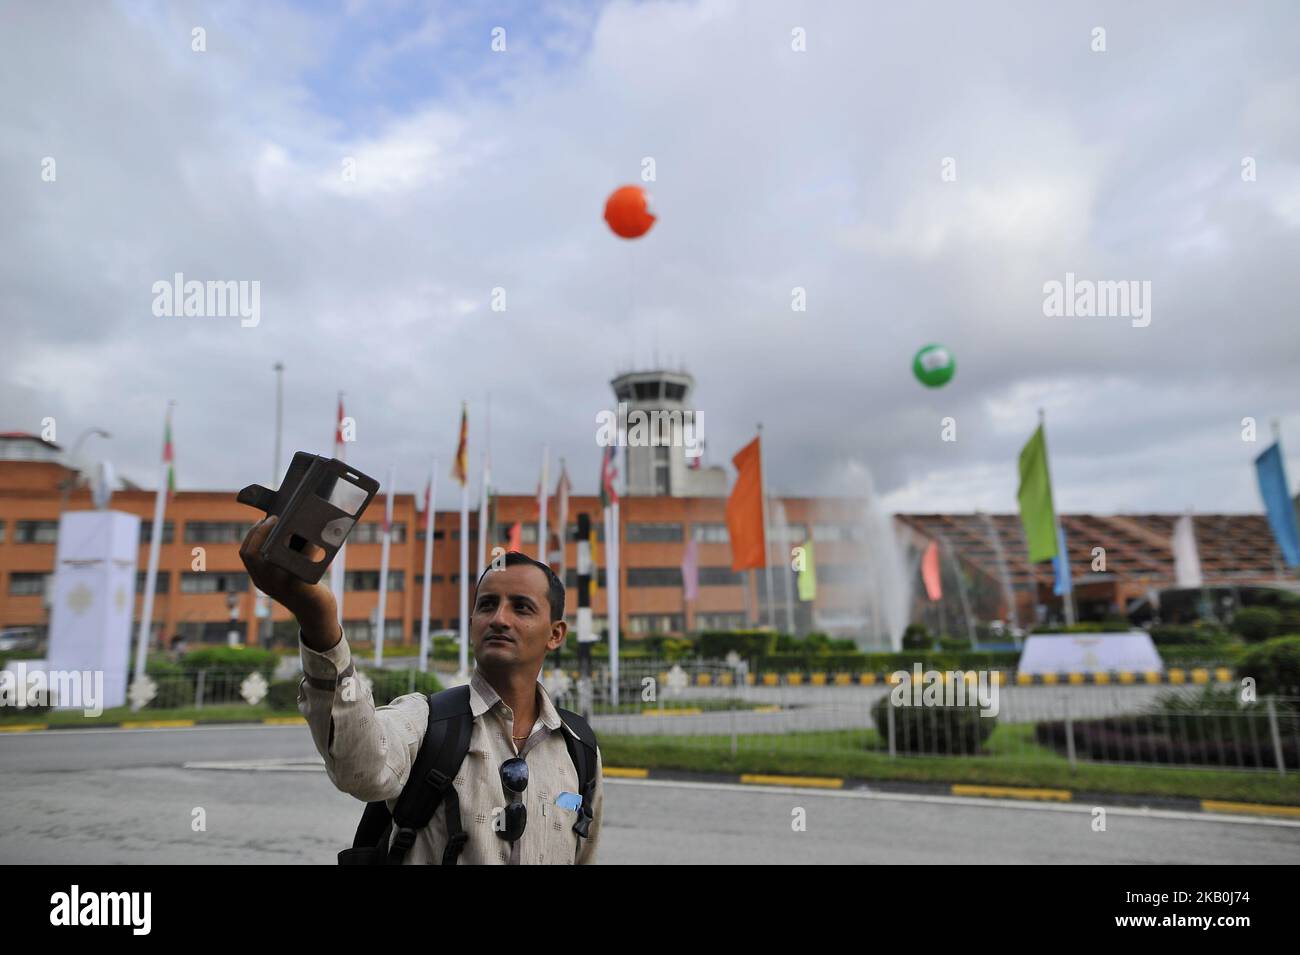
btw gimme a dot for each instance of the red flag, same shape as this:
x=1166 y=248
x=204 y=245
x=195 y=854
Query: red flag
x=338 y=431
x=745 y=510
x=608 y=472
x=930 y=571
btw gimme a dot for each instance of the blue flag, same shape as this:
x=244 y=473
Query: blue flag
x=1277 y=502
x=1061 y=564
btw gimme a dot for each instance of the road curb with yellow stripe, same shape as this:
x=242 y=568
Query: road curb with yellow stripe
x=1200 y=676
x=148 y=724
x=974 y=792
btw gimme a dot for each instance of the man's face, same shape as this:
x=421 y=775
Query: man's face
x=511 y=623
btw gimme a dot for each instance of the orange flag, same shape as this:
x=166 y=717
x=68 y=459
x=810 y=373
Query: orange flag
x=930 y=571
x=460 y=466
x=745 y=510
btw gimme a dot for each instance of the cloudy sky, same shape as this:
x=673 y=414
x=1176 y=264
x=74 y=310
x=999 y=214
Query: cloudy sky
x=775 y=168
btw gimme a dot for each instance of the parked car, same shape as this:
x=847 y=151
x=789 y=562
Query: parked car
x=19 y=640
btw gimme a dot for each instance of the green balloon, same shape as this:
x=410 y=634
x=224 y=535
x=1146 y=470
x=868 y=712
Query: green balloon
x=934 y=366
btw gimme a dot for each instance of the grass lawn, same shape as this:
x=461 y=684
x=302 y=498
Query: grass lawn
x=1013 y=760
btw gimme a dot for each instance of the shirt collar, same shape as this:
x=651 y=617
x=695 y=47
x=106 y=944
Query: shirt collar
x=483 y=696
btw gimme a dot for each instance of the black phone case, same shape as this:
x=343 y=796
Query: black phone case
x=307 y=514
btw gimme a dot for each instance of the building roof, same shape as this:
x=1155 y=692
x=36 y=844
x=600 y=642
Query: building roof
x=1137 y=546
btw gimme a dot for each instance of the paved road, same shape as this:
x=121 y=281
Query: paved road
x=106 y=796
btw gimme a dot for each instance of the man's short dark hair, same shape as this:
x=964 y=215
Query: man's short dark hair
x=554 y=586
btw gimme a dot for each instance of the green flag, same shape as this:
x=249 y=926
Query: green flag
x=1036 y=511
x=808 y=575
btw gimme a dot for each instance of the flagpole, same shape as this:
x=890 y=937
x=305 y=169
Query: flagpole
x=542 y=498
x=278 y=368
x=562 y=504
x=151 y=575
x=486 y=488
x=485 y=484
x=767 y=538
x=383 y=569
x=338 y=568
x=431 y=489
x=786 y=571
x=612 y=583
x=464 y=579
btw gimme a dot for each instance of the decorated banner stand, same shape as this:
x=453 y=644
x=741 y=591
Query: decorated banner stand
x=93 y=598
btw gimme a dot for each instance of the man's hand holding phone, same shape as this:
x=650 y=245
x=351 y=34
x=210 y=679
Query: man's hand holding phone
x=312 y=604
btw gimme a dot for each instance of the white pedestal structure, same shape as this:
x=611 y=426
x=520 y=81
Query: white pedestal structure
x=93 y=597
x=1090 y=653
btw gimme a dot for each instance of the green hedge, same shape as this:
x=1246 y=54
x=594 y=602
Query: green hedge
x=1256 y=624
x=1210 y=654
x=283 y=695
x=1197 y=633
x=1274 y=665
x=238 y=659
x=887 y=662
x=390 y=684
x=749 y=644
x=945 y=730
x=175 y=687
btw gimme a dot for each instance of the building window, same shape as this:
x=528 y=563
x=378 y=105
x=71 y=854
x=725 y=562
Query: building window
x=653 y=533
x=372 y=532
x=528 y=533
x=193 y=631
x=433 y=579
x=654 y=577
x=160 y=587
x=2 y=532
x=437 y=534
x=710 y=533
x=597 y=525
x=789 y=534
x=146 y=532
x=368 y=580
x=36 y=532
x=655 y=623
x=836 y=532
x=214 y=532
x=362 y=630
x=27 y=584
x=571 y=578
x=662 y=471
x=720 y=621
x=208 y=582
x=720 y=577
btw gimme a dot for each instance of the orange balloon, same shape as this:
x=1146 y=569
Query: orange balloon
x=628 y=212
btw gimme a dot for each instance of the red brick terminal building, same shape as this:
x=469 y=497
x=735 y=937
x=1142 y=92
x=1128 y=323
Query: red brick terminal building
x=668 y=501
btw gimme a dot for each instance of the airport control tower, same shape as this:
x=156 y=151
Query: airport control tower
x=663 y=430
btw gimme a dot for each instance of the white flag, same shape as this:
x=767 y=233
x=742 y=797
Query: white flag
x=1187 y=561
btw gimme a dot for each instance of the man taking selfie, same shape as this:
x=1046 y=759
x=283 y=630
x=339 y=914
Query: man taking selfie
x=514 y=779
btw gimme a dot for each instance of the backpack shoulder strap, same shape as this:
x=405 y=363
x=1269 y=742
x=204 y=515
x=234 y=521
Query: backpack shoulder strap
x=582 y=750
x=446 y=741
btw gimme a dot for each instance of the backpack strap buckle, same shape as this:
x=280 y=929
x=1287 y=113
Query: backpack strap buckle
x=583 y=823
x=404 y=839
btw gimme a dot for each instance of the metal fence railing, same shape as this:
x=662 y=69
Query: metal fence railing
x=714 y=706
